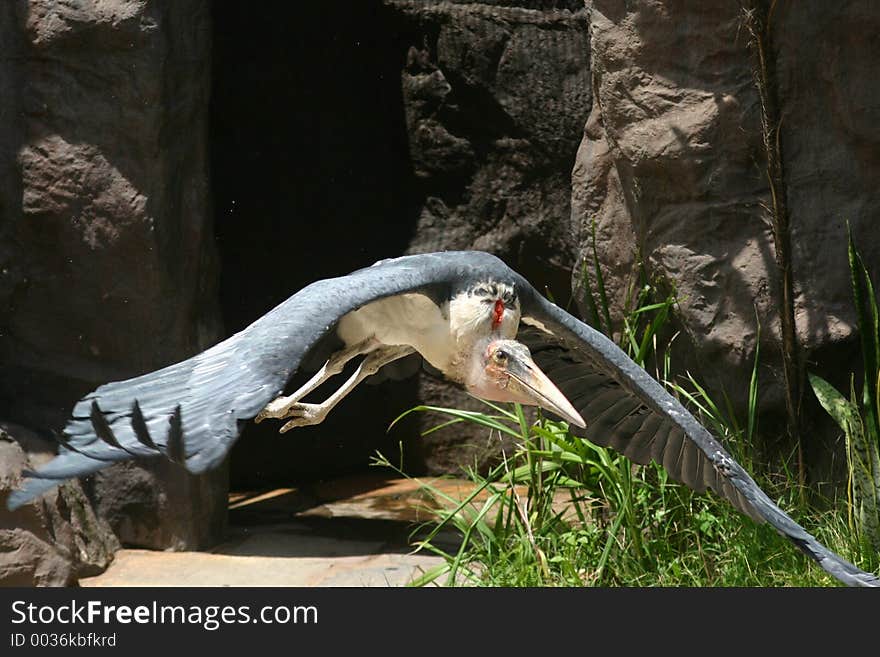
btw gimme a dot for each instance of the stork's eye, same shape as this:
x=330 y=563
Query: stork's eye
x=500 y=356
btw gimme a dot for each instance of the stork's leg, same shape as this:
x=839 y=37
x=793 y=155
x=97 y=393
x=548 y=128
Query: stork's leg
x=279 y=406
x=307 y=414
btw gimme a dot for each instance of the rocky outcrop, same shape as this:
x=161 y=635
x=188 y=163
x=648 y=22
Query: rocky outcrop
x=673 y=172
x=107 y=265
x=830 y=106
x=159 y=505
x=495 y=98
x=670 y=169
x=55 y=539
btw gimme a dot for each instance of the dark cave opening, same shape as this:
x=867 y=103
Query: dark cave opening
x=311 y=178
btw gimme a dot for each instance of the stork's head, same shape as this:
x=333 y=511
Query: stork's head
x=503 y=370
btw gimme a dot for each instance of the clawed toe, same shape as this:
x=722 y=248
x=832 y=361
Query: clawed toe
x=277 y=408
x=304 y=414
x=284 y=407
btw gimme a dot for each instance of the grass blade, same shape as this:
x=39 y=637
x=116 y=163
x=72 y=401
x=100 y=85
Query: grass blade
x=600 y=282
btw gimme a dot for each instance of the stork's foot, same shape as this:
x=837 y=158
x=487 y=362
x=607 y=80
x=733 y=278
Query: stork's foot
x=285 y=407
x=308 y=414
x=304 y=415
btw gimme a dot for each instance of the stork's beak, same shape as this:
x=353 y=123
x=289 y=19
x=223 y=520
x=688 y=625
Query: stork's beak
x=540 y=390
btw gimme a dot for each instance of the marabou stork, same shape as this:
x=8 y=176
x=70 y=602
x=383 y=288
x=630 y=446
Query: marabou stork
x=468 y=315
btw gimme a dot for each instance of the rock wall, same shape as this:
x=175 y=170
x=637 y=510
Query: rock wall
x=672 y=170
x=830 y=101
x=55 y=539
x=107 y=266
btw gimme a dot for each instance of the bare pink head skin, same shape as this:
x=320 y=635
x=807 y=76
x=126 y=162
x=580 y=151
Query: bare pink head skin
x=503 y=371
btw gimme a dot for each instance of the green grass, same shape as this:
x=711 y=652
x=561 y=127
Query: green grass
x=561 y=511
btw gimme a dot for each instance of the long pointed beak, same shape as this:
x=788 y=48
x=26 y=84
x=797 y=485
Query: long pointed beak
x=542 y=391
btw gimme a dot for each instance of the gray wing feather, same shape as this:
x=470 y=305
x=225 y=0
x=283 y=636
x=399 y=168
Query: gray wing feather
x=192 y=411
x=602 y=382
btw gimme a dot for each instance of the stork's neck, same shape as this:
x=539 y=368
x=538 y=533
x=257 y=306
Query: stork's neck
x=475 y=319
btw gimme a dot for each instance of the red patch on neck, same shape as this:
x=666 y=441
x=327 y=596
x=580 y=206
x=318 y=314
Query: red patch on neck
x=497 y=314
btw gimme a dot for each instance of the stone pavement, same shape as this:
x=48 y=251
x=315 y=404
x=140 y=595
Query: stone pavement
x=355 y=531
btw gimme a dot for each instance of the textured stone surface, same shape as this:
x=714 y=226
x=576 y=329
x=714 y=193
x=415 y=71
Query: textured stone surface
x=159 y=505
x=495 y=100
x=830 y=133
x=672 y=167
x=107 y=265
x=55 y=539
x=298 y=561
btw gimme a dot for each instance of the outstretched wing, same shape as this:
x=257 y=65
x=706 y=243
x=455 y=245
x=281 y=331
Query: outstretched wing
x=192 y=411
x=626 y=409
